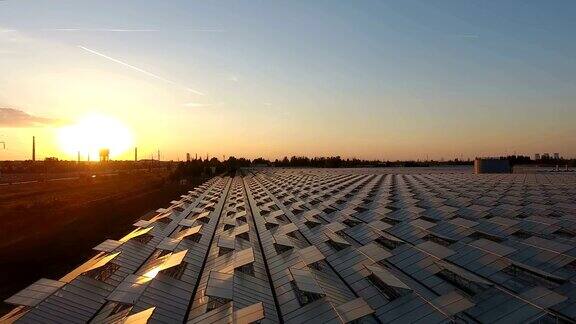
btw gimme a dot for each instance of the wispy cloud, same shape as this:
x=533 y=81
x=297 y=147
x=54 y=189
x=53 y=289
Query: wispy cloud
x=14 y=118
x=201 y=105
x=469 y=36
x=113 y=30
x=135 y=68
x=12 y=36
x=207 y=30
x=131 y=30
x=233 y=78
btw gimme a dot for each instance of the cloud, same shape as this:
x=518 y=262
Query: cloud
x=112 y=30
x=195 y=104
x=14 y=118
x=130 y=30
x=202 y=105
x=12 y=36
x=469 y=36
x=233 y=78
x=205 y=30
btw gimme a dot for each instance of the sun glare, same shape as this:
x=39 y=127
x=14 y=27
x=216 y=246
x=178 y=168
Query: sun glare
x=93 y=133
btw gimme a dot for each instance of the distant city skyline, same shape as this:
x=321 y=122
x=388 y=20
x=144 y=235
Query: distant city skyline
x=371 y=79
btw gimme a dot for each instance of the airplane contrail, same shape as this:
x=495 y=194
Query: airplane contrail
x=100 y=29
x=206 y=30
x=135 y=68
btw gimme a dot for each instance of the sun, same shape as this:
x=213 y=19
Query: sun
x=94 y=132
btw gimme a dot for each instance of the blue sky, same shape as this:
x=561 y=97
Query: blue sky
x=371 y=79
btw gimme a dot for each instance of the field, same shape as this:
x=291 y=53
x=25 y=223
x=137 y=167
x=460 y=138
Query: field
x=47 y=228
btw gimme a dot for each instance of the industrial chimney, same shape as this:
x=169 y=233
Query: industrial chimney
x=33 y=148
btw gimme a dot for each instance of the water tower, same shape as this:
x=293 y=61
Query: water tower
x=104 y=155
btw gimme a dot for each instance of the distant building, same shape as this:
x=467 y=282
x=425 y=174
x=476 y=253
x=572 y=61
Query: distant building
x=187 y=157
x=556 y=156
x=545 y=156
x=537 y=156
x=489 y=165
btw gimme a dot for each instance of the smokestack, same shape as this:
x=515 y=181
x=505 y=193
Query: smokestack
x=33 y=148
x=135 y=154
x=78 y=156
x=158 y=155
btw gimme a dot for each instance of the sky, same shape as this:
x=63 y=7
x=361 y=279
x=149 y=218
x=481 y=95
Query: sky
x=368 y=79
